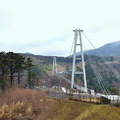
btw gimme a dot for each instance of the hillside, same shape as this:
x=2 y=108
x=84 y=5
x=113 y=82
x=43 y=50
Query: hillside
x=71 y=110
x=110 y=49
x=48 y=59
x=26 y=104
x=43 y=69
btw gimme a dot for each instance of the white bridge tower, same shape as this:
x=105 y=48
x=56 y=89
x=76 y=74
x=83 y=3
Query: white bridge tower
x=78 y=43
x=54 y=69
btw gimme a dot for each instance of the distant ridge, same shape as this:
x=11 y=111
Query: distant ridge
x=27 y=53
x=110 y=49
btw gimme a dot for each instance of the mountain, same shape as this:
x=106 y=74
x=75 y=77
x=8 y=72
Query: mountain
x=110 y=49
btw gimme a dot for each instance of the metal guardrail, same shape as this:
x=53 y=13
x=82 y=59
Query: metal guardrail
x=84 y=98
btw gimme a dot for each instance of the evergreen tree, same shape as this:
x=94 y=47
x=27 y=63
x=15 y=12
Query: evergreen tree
x=19 y=65
x=15 y=65
x=3 y=70
x=11 y=65
x=29 y=67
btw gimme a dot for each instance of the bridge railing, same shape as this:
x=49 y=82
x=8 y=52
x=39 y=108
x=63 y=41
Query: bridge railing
x=83 y=97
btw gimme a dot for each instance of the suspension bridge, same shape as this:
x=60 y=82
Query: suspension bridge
x=77 y=43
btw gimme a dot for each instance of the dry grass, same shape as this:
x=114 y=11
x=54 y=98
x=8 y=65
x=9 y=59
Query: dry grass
x=22 y=104
x=71 y=110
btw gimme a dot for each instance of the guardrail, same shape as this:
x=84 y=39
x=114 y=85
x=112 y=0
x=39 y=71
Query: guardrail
x=83 y=97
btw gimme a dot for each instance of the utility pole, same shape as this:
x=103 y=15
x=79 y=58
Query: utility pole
x=54 y=69
x=78 y=43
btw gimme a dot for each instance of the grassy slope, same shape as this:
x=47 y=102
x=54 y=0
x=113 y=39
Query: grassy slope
x=25 y=104
x=71 y=110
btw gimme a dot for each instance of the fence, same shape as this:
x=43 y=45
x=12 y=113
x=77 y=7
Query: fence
x=82 y=97
x=56 y=95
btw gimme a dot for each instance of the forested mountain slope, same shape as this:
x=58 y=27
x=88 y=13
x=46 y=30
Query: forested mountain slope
x=43 y=69
x=110 y=49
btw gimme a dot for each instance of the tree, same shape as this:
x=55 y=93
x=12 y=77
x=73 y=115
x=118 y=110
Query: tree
x=15 y=65
x=114 y=91
x=3 y=71
x=11 y=65
x=29 y=67
x=19 y=66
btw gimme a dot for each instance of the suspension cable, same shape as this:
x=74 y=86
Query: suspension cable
x=98 y=76
x=72 y=47
x=100 y=80
x=115 y=72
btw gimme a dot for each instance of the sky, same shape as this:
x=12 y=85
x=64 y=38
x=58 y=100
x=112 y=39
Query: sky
x=45 y=27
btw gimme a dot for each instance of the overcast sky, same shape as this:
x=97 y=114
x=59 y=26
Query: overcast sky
x=45 y=27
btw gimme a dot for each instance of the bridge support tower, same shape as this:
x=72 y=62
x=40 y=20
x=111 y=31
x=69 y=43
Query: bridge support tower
x=54 y=69
x=78 y=43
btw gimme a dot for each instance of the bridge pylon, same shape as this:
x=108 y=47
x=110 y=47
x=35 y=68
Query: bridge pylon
x=54 y=69
x=78 y=43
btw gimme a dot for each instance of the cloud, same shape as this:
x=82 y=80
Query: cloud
x=45 y=27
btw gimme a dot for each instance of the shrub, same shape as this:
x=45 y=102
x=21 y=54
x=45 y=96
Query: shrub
x=20 y=103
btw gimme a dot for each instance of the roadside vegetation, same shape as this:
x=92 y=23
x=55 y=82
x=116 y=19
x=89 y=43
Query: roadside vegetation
x=25 y=104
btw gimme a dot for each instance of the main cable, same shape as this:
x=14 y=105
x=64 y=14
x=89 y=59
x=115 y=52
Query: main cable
x=115 y=72
x=97 y=74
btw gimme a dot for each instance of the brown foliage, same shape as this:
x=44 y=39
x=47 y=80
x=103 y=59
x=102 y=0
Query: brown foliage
x=19 y=103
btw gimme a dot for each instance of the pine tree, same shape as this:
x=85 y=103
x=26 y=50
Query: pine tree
x=15 y=65
x=3 y=71
x=29 y=67
x=19 y=65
